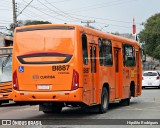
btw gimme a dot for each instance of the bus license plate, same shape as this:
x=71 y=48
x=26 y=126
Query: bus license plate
x=43 y=87
x=149 y=83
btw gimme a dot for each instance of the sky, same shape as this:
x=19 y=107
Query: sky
x=109 y=15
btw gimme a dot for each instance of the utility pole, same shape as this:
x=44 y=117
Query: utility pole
x=88 y=22
x=14 y=14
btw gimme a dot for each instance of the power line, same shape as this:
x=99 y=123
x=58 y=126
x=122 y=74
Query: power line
x=91 y=17
x=116 y=25
x=103 y=18
x=63 y=15
x=25 y=7
x=88 y=22
x=94 y=5
x=32 y=13
x=46 y=13
x=100 y=6
x=62 y=11
x=5 y=9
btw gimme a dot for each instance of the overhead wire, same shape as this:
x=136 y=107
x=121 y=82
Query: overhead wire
x=76 y=15
x=46 y=13
x=63 y=11
x=37 y=16
x=93 y=17
x=102 y=6
x=25 y=7
x=63 y=15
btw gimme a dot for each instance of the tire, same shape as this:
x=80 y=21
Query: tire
x=56 y=108
x=103 y=107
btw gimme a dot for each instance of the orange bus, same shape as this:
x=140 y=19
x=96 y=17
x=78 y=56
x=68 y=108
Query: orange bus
x=5 y=74
x=60 y=65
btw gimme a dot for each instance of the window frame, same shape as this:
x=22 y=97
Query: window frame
x=126 y=55
x=104 y=45
x=84 y=49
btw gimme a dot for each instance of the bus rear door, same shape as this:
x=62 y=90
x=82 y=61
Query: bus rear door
x=117 y=72
x=93 y=71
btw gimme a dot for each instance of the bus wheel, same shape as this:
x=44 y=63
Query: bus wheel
x=104 y=101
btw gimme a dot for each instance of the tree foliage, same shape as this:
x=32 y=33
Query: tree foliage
x=150 y=36
x=28 y=22
x=35 y=22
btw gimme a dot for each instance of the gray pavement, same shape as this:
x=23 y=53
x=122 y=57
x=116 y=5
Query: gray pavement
x=147 y=106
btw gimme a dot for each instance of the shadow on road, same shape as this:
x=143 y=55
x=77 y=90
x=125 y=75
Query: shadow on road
x=12 y=104
x=78 y=112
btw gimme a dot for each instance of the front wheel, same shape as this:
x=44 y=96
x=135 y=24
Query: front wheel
x=103 y=107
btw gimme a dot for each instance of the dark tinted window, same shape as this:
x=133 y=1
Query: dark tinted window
x=107 y=52
x=128 y=55
x=100 y=51
x=84 y=49
x=150 y=74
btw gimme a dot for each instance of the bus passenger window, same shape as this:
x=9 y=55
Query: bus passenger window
x=100 y=51
x=84 y=49
x=107 y=50
x=128 y=55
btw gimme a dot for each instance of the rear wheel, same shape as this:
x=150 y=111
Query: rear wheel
x=104 y=101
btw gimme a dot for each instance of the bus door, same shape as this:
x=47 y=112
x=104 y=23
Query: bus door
x=138 y=75
x=93 y=65
x=117 y=71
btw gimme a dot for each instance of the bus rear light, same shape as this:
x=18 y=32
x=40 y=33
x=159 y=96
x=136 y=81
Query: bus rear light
x=15 y=81
x=75 y=80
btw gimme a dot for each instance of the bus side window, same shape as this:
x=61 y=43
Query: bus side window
x=84 y=49
x=128 y=55
x=100 y=51
x=107 y=50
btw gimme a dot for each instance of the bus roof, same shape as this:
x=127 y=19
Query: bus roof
x=81 y=28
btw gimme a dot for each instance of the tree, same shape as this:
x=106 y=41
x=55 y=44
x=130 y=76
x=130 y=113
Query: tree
x=28 y=22
x=35 y=22
x=150 y=36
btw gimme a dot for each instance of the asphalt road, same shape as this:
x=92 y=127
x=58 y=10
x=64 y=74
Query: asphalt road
x=147 y=106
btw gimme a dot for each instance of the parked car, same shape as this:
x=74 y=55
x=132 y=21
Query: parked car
x=151 y=79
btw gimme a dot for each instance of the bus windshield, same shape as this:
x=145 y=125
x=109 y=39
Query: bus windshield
x=6 y=69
